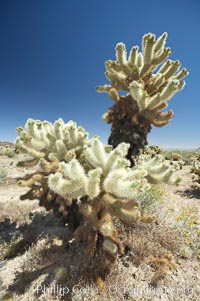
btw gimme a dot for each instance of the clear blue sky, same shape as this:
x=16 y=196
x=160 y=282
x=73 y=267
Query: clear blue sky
x=52 y=55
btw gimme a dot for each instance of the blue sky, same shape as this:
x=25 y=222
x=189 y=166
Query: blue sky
x=52 y=57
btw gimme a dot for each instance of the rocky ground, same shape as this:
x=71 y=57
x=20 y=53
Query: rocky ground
x=43 y=268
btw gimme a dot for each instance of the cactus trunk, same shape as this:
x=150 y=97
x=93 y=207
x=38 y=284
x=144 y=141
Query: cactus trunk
x=128 y=125
x=126 y=132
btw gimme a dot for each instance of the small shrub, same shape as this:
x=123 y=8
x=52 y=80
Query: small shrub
x=60 y=273
x=1 y=151
x=187 y=220
x=7 y=151
x=150 y=199
x=3 y=174
x=10 y=153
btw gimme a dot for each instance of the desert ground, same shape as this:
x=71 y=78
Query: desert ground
x=39 y=261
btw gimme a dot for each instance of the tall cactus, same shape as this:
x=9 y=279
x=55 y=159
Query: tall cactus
x=148 y=90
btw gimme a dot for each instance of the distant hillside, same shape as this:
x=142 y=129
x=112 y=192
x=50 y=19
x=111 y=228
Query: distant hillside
x=4 y=143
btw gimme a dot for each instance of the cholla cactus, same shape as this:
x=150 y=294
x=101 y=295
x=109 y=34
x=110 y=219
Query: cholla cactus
x=150 y=150
x=97 y=177
x=177 y=161
x=177 y=164
x=195 y=170
x=158 y=170
x=176 y=157
x=48 y=144
x=58 y=141
x=107 y=190
x=148 y=92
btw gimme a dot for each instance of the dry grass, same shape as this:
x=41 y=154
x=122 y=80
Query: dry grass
x=52 y=262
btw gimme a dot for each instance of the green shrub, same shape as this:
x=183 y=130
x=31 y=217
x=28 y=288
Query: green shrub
x=151 y=198
x=7 y=151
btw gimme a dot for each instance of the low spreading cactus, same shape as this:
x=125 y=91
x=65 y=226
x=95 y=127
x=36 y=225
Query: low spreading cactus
x=97 y=176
